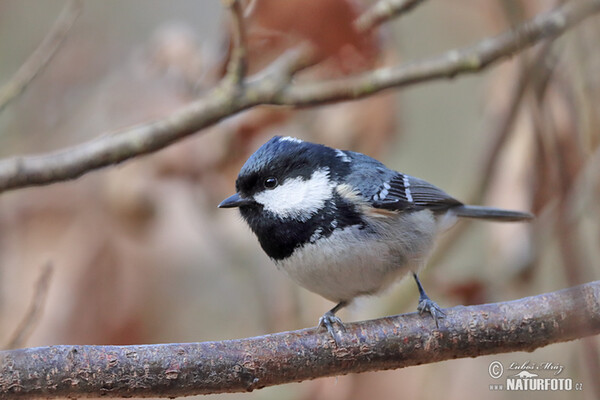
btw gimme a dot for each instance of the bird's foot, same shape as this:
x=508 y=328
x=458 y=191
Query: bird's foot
x=426 y=305
x=327 y=321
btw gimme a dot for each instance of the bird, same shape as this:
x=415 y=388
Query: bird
x=343 y=225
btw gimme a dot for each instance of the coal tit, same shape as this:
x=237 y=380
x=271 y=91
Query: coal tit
x=340 y=223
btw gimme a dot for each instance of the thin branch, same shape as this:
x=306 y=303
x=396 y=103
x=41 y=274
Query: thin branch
x=303 y=56
x=236 y=69
x=32 y=316
x=382 y=11
x=274 y=86
x=182 y=369
x=472 y=59
x=42 y=55
x=499 y=135
x=502 y=131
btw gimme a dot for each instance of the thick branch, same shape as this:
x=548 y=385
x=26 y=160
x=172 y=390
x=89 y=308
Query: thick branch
x=274 y=86
x=170 y=370
x=42 y=55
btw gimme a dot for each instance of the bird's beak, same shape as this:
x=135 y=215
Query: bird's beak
x=235 y=201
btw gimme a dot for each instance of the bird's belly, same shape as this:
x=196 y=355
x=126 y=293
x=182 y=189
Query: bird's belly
x=346 y=265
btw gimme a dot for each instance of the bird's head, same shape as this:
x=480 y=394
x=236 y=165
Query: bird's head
x=286 y=178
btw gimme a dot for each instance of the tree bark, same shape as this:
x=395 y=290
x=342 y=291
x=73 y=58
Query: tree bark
x=172 y=370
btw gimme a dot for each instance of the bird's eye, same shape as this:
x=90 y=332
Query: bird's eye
x=270 y=182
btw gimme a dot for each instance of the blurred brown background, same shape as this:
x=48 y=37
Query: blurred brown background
x=141 y=254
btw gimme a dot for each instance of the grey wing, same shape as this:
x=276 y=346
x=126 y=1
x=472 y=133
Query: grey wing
x=404 y=192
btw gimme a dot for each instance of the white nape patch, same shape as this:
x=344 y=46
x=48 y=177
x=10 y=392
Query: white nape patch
x=290 y=139
x=407 y=189
x=342 y=155
x=298 y=198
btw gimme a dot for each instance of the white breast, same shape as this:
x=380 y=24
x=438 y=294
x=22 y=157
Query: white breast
x=350 y=262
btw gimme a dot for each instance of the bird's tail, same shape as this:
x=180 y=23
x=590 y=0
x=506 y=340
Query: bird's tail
x=493 y=214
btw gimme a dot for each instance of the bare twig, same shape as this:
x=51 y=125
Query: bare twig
x=304 y=56
x=32 y=316
x=236 y=68
x=171 y=370
x=461 y=61
x=499 y=135
x=382 y=11
x=42 y=55
x=566 y=182
x=274 y=87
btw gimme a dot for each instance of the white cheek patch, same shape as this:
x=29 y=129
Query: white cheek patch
x=298 y=198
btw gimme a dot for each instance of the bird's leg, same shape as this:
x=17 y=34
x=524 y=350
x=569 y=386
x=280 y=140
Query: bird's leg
x=329 y=319
x=428 y=305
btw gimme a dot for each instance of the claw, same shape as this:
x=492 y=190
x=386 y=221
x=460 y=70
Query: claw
x=329 y=319
x=426 y=305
